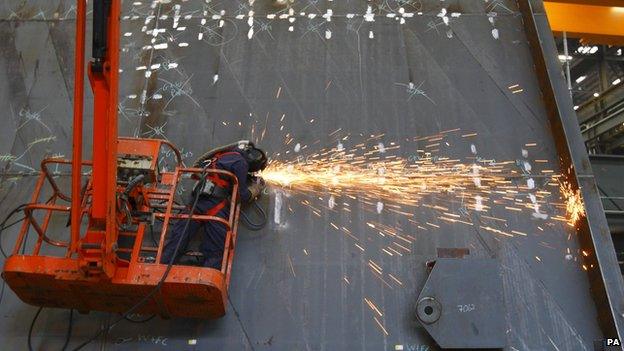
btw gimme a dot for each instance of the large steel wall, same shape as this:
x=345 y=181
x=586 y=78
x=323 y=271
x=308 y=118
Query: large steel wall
x=400 y=75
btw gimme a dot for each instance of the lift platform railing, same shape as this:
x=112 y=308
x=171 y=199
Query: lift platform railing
x=49 y=207
x=53 y=278
x=231 y=224
x=154 y=193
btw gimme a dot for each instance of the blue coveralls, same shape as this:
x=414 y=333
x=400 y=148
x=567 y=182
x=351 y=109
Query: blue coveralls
x=213 y=241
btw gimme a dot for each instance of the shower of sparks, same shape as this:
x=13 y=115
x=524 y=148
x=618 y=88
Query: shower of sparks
x=398 y=181
x=422 y=185
x=382 y=180
x=575 y=208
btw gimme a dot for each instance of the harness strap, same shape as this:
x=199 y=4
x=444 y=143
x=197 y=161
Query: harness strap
x=218 y=207
x=215 y=178
x=219 y=182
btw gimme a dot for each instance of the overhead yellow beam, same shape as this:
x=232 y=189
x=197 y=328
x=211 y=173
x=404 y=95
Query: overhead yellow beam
x=613 y=3
x=596 y=24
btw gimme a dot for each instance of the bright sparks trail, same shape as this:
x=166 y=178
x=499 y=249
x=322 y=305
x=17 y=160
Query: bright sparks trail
x=396 y=180
x=420 y=192
x=575 y=208
x=382 y=180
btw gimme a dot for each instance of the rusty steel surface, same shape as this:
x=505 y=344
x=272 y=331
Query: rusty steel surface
x=402 y=69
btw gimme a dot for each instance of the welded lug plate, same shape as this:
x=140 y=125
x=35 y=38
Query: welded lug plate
x=461 y=304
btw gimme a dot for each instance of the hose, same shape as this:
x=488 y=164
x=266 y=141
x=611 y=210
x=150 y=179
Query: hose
x=4 y=226
x=210 y=154
x=259 y=211
x=124 y=204
x=133 y=183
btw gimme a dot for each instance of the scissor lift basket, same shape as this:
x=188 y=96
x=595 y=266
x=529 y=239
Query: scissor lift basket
x=62 y=281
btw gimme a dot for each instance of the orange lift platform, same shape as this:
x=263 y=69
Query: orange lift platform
x=126 y=192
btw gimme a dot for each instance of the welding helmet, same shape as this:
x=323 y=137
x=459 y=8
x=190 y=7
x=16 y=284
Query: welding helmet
x=256 y=158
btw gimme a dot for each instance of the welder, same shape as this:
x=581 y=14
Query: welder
x=212 y=197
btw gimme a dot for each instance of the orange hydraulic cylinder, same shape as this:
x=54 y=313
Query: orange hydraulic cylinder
x=105 y=88
x=113 y=86
x=103 y=230
x=76 y=167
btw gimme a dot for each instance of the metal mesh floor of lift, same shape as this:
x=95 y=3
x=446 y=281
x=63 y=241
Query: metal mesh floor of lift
x=204 y=73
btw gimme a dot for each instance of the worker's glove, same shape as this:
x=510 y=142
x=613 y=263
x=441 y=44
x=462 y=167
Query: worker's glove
x=256 y=188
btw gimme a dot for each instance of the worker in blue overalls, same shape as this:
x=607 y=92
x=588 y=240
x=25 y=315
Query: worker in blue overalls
x=242 y=159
